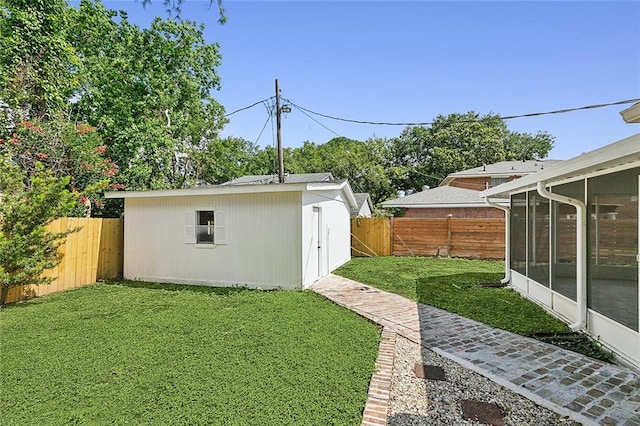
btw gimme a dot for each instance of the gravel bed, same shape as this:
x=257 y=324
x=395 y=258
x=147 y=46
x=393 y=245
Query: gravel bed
x=415 y=401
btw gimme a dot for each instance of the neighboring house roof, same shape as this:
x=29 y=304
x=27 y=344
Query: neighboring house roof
x=440 y=197
x=361 y=199
x=625 y=152
x=224 y=189
x=502 y=169
x=288 y=178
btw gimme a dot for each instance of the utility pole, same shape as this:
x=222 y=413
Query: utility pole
x=278 y=113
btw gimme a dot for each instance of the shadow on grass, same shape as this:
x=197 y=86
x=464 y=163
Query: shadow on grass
x=498 y=307
x=429 y=289
x=502 y=308
x=221 y=291
x=23 y=304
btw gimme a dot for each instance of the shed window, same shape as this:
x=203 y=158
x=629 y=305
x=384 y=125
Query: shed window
x=205 y=227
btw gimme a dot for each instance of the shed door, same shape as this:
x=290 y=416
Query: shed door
x=316 y=243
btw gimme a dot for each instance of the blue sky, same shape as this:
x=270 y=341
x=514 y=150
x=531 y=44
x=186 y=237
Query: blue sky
x=395 y=61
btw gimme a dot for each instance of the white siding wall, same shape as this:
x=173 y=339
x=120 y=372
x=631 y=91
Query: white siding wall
x=262 y=250
x=335 y=233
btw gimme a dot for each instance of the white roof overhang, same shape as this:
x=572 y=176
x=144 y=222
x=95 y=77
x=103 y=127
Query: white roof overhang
x=624 y=153
x=241 y=189
x=631 y=114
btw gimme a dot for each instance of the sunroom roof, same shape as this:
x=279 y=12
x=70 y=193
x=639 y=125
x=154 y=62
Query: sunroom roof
x=625 y=151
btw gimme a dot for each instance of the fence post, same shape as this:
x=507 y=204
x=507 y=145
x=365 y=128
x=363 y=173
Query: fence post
x=449 y=236
x=391 y=250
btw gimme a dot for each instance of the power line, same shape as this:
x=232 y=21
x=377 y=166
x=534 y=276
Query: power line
x=304 y=112
x=263 y=127
x=429 y=123
x=562 y=111
x=250 y=106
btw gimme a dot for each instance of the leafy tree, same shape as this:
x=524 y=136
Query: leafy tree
x=28 y=204
x=524 y=146
x=37 y=61
x=220 y=160
x=458 y=142
x=65 y=150
x=175 y=6
x=148 y=91
x=265 y=162
x=364 y=164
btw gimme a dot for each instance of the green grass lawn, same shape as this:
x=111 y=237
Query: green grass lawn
x=451 y=284
x=130 y=353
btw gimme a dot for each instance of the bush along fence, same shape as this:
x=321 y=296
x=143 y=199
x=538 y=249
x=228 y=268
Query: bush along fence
x=93 y=253
x=474 y=238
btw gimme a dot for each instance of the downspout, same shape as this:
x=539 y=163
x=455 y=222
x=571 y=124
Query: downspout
x=581 y=252
x=507 y=239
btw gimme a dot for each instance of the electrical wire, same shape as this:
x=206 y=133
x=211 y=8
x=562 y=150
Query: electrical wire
x=305 y=113
x=250 y=106
x=429 y=123
x=263 y=127
x=562 y=111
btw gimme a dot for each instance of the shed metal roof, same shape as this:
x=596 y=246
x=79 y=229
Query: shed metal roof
x=288 y=178
x=333 y=185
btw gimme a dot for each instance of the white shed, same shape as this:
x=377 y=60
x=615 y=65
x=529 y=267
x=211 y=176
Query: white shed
x=274 y=235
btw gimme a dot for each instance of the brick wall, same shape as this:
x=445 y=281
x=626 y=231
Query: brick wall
x=443 y=213
x=477 y=183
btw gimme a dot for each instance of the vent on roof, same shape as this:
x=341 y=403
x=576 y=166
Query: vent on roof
x=426 y=187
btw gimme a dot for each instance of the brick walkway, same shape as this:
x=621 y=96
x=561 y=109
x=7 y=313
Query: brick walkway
x=586 y=390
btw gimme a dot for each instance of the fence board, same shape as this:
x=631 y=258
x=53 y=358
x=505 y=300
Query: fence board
x=420 y=237
x=481 y=238
x=93 y=253
x=110 y=258
x=370 y=236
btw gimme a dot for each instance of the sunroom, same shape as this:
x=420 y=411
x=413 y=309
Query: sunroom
x=573 y=238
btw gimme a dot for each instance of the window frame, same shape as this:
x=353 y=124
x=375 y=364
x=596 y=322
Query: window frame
x=498 y=180
x=210 y=227
x=218 y=228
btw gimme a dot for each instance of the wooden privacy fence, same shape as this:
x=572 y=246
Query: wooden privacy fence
x=476 y=238
x=93 y=253
x=371 y=236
